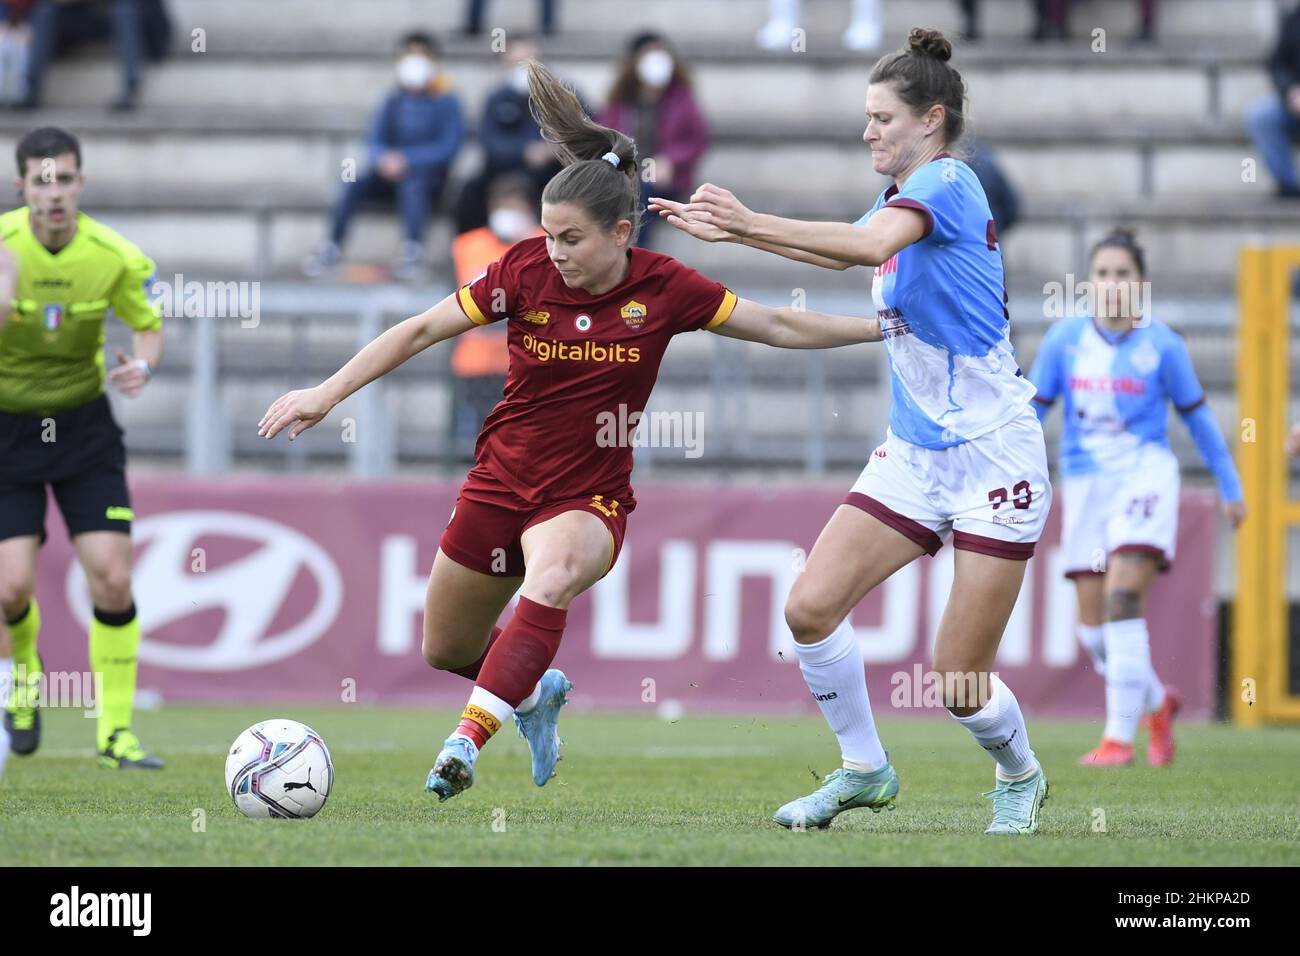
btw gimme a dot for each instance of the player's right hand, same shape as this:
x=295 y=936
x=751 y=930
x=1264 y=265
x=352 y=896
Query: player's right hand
x=676 y=215
x=297 y=410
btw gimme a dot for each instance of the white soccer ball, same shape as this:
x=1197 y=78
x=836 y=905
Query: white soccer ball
x=281 y=769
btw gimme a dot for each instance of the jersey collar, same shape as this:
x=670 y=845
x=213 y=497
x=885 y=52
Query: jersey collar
x=1113 y=338
x=892 y=191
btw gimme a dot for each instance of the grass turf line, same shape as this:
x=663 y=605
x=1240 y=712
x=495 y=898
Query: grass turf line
x=638 y=790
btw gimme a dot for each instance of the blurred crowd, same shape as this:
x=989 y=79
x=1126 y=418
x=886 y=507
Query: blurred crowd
x=34 y=33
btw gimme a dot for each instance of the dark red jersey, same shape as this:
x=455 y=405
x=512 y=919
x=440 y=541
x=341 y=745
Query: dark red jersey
x=575 y=358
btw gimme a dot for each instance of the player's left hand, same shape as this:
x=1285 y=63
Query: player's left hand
x=1235 y=512
x=130 y=376
x=720 y=207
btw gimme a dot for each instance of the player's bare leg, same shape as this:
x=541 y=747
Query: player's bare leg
x=563 y=557
x=855 y=553
x=984 y=592
x=461 y=609
x=105 y=556
x=20 y=624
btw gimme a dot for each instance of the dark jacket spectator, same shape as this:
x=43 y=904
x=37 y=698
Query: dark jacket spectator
x=412 y=143
x=426 y=127
x=1004 y=201
x=1274 y=122
x=511 y=141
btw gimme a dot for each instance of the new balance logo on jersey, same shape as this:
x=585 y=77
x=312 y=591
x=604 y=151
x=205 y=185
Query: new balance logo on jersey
x=880 y=453
x=831 y=696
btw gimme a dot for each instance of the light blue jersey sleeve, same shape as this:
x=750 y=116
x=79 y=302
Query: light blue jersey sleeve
x=1178 y=378
x=936 y=191
x=1048 y=373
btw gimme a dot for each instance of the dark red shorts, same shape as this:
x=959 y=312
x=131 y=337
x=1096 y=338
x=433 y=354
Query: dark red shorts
x=489 y=520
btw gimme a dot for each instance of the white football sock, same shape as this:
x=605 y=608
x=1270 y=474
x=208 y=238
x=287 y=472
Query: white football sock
x=1155 y=689
x=529 y=702
x=834 y=672
x=1128 y=677
x=999 y=727
x=6 y=683
x=1093 y=640
x=490 y=702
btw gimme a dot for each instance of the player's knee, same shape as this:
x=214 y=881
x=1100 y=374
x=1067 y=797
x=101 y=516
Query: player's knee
x=111 y=589
x=435 y=655
x=555 y=585
x=809 y=619
x=1123 y=604
x=15 y=593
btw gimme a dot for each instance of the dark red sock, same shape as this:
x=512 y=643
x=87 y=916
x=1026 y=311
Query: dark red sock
x=519 y=657
x=471 y=670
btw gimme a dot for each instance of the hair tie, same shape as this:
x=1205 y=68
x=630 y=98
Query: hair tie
x=612 y=158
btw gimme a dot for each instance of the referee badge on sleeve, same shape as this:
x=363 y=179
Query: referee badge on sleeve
x=53 y=317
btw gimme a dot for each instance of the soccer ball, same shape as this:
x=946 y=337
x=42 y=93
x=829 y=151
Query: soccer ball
x=279 y=768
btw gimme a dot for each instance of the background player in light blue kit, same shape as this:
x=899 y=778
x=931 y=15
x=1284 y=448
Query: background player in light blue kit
x=1116 y=373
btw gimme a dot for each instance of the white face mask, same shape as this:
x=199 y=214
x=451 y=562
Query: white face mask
x=519 y=79
x=415 y=72
x=655 y=68
x=509 y=225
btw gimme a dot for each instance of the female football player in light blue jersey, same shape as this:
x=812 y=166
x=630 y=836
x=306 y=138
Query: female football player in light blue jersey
x=1116 y=372
x=964 y=455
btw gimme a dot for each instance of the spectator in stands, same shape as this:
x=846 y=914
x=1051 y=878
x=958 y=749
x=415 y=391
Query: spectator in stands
x=474 y=10
x=1274 y=122
x=1053 y=19
x=1004 y=201
x=413 y=140
x=1293 y=440
x=139 y=28
x=651 y=101
x=865 y=30
x=512 y=143
x=15 y=45
x=970 y=19
x=479 y=361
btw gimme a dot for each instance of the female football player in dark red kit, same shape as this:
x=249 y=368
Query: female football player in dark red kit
x=545 y=506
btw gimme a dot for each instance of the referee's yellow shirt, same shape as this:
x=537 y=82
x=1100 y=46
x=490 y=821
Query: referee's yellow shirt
x=52 y=346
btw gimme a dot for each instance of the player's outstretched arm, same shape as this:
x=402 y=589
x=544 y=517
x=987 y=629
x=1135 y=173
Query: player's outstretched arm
x=788 y=328
x=676 y=216
x=301 y=409
x=887 y=232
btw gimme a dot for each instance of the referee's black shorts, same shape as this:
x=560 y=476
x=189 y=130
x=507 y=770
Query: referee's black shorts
x=79 y=453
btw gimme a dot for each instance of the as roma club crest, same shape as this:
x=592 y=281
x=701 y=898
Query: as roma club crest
x=53 y=317
x=634 y=314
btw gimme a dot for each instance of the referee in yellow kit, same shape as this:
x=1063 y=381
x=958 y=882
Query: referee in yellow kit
x=56 y=429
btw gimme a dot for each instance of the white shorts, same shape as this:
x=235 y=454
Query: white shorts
x=991 y=494
x=1135 y=510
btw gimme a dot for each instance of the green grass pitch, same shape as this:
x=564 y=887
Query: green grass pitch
x=638 y=790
